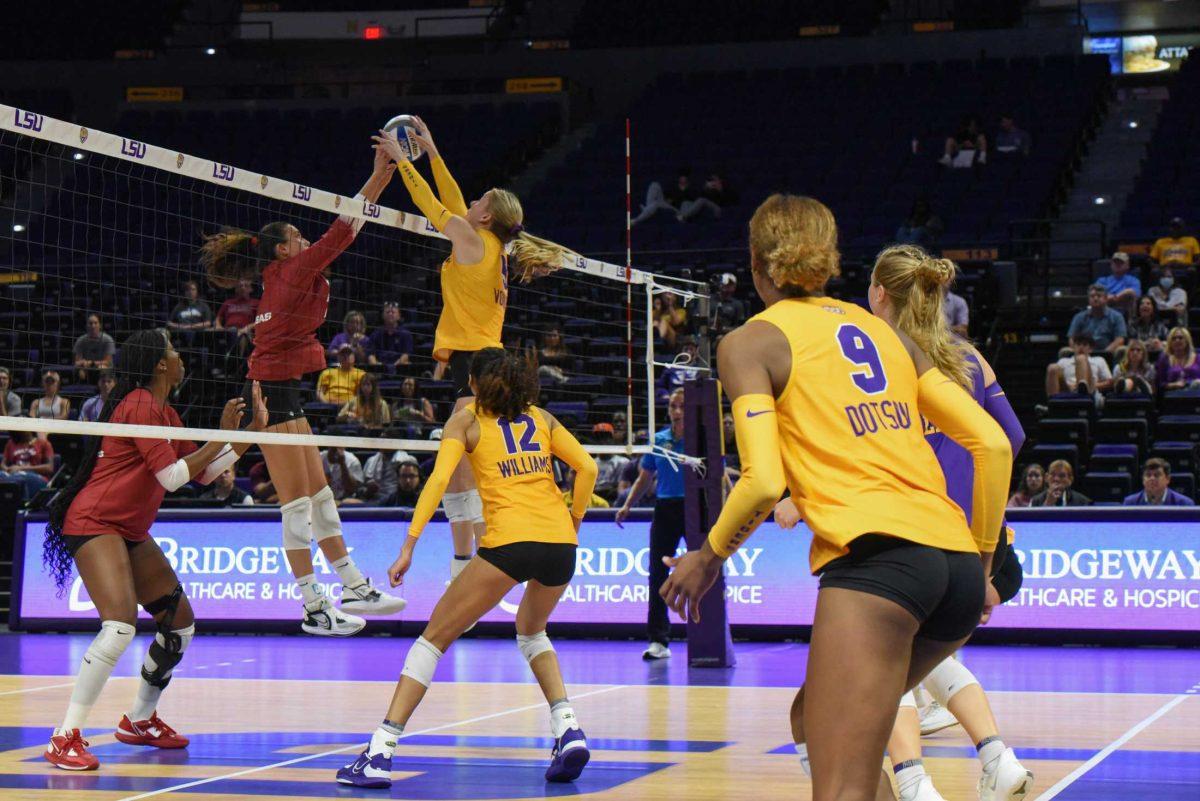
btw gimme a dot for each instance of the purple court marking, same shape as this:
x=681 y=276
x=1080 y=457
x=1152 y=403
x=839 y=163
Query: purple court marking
x=999 y=668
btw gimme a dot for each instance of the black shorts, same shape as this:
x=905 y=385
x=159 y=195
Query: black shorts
x=1007 y=575
x=284 y=400
x=76 y=541
x=549 y=563
x=943 y=590
x=460 y=372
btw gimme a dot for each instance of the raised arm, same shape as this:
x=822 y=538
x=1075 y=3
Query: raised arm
x=447 y=187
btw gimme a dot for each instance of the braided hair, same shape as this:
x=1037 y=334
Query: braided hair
x=139 y=356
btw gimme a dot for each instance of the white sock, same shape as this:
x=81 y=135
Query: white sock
x=383 y=739
x=909 y=775
x=309 y=589
x=457 y=565
x=990 y=750
x=562 y=718
x=147 y=694
x=348 y=572
x=802 y=752
x=94 y=669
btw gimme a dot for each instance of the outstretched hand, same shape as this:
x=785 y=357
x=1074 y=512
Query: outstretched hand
x=693 y=576
x=387 y=145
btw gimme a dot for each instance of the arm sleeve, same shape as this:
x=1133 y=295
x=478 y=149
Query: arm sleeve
x=449 y=454
x=947 y=405
x=995 y=403
x=762 y=482
x=447 y=187
x=564 y=445
x=217 y=466
x=422 y=196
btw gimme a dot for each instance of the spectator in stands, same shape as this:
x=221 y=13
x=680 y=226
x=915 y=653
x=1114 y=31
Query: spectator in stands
x=190 y=313
x=1176 y=249
x=957 y=313
x=554 y=358
x=392 y=344
x=1105 y=327
x=567 y=485
x=1033 y=481
x=1156 y=490
x=51 y=406
x=261 y=486
x=344 y=473
x=381 y=473
x=657 y=200
x=1135 y=374
x=367 y=408
x=223 y=488
x=1147 y=327
x=669 y=318
x=686 y=366
x=922 y=227
x=408 y=486
x=28 y=461
x=93 y=350
x=338 y=384
x=1178 y=367
x=728 y=310
x=1010 y=139
x=92 y=407
x=968 y=146
x=1059 y=477
x=1168 y=298
x=609 y=466
x=412 y=408
x=1081 y=372
x=354 y=334
x=620 y=428
x=10 y=402
x=236 y=316
x=714 y=196
x=1123 y=289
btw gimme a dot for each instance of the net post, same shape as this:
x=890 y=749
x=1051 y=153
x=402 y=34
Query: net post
x=709 y=641
x=649 y=361
x=628 y=293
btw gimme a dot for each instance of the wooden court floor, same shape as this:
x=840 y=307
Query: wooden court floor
x=273 y=717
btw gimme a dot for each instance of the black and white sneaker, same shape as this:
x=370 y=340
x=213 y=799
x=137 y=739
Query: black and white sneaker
x=366 y=599
x=327 y=621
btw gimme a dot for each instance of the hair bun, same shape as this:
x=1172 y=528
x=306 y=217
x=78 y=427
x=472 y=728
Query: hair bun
x=935 y=273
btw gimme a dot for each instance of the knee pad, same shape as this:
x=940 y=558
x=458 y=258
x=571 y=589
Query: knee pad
x=111 y=642
x=463 y=507
x=534 y=646
x=297 y=533
x=421 y=661
x=165 y=653
x=802 y=752
x=945 y=680
x=326 y=522
x=908 y=699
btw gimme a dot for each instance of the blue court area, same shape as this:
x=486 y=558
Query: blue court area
x=275 y=716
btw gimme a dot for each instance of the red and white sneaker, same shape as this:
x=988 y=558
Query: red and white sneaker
x=69 y=752
x=152 y=732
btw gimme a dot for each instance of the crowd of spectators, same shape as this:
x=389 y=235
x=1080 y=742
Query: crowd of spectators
x=1052 y=486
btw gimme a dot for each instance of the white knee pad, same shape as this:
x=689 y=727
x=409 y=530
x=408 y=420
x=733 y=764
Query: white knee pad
x=534 y=646
x=463 y=507
x=944 y=682
x=326 y=522
x=421 y=661
x=297 y=534
x=111 y=642
x=908 y=699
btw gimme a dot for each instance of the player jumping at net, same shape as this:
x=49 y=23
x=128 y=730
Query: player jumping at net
x=484 y=238
x=294 y=303
x=827 y=402
x=531 y=537
x=101 y=521
x=907 y=290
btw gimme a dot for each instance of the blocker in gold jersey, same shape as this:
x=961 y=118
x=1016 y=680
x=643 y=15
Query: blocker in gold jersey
x=474 y=297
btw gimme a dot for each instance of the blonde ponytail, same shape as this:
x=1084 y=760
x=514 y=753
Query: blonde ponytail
x=917 y=283
x=533 y=255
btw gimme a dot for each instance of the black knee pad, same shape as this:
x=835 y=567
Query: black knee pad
x=167 y=648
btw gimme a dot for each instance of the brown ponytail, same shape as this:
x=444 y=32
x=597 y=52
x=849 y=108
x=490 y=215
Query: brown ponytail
x=234 y=255
x=507 y=382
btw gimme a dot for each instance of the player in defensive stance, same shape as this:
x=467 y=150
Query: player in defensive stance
x=101 y=521
x=827 y=402
x=531 y=537
x=294 y=303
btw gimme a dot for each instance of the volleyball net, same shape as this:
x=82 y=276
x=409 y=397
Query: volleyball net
x=94 y=223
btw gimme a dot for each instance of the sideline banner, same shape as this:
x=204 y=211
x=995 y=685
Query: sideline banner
x=1121 y=573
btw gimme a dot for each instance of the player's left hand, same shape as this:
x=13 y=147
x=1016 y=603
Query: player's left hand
x=786 y=513
x=991 y=599
x=259 y=417
x=387 y=150
x=400 y=567
x=231 y=415
x=694 y=574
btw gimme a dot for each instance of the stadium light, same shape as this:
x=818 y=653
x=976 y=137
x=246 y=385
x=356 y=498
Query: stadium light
x=210 y=51
x=1099 y=200
x=79 y=157
x=1133 y=123
x=18 y=228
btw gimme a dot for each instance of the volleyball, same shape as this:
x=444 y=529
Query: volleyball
x=405 y=126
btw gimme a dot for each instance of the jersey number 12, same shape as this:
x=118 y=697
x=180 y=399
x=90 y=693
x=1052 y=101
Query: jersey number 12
x=510 y=441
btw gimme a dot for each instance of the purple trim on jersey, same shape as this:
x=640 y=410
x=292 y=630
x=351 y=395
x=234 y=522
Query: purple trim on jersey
x=996 y=404
x=956 y=462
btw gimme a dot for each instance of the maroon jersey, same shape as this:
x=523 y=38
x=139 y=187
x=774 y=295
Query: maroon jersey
x=237 y=312
x=122 y=495
x=293 y=305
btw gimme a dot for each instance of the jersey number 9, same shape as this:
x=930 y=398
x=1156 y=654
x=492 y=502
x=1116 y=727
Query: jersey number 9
x=860 y=351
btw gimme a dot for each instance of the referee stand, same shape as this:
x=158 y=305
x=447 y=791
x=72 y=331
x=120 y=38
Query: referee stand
x=709 y=641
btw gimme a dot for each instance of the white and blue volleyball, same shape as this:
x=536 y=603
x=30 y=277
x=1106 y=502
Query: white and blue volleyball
x=405 y=127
